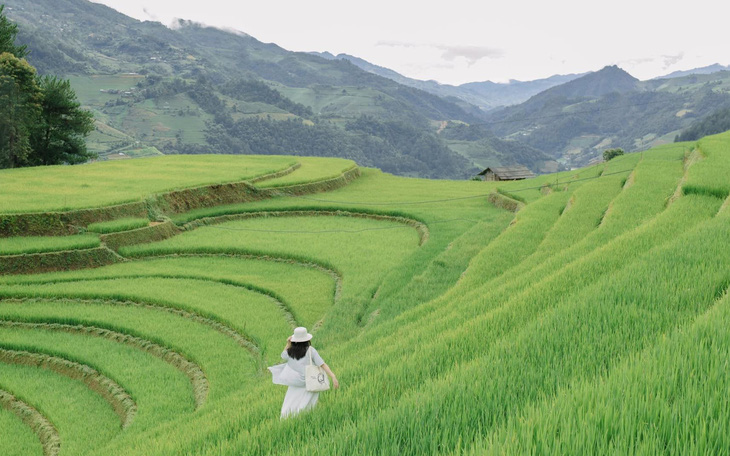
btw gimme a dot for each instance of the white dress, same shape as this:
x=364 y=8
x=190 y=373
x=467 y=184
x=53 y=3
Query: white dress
x=291 y=374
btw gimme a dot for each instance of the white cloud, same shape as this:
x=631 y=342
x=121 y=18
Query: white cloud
x=395 y=43
x=670 y=60
x=472 y=54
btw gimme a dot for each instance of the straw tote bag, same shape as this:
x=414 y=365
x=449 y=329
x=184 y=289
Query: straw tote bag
x=316 y=377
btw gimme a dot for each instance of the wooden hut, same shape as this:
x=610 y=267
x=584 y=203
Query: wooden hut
x=506 y=173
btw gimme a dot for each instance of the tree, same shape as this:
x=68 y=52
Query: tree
x=20 y=99
x=58 y=136
x=609 y=154
x=8 y=32
x=41 y=123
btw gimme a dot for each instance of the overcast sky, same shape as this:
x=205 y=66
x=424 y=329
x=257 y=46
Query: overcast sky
x=458 y=41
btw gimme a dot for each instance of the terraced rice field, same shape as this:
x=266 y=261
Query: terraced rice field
x=591 y=318
x=60 y=188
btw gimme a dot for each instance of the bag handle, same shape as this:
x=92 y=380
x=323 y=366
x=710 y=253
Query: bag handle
x=309 y=352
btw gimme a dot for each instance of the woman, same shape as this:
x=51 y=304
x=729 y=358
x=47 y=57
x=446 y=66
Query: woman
x=297 y=354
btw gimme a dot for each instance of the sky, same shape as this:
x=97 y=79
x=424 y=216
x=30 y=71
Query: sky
x=459 y=41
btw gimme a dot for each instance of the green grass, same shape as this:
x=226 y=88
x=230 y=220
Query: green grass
x=226 y=364
x=306 y=292
x=679 y=378
x=593 y=321
x=115 y=226
x=63 y=400
x=158 y=389
x=590 y=223
x=251 y=313
x=709 y=176
x=667 y=382
x=301 y=238
x=533 y=267
x=20 y=245
x=18 y=438
x=472 y=393
x=56 y=188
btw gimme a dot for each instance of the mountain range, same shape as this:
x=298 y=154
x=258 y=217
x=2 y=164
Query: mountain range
x=576 y=121
x=197 y=89
x=486 y=95
x=573 y=118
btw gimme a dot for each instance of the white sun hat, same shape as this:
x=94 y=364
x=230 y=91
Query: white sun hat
x=301 y=335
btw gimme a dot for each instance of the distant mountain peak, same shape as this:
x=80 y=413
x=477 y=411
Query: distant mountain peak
x=607 y=80
x=714 y=68
x=613 y=72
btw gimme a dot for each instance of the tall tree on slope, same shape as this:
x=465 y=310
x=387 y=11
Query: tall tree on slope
x=41 y=123
x=58 y=136
x=20 y=99
x=8 y=32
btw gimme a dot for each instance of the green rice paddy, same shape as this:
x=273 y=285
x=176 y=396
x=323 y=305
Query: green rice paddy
x=39 y=244
x=592 y=321
x=115 y=226
x=58 y=188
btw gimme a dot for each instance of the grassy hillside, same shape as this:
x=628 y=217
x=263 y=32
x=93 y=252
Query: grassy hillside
x=592 y=318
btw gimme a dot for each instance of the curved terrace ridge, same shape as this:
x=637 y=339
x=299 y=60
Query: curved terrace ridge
x=39 y=424
x=277 y=300
x=119 y=399
x=277 y=174
x=240 y=338
x=420 y=227
x=190 y=369
x=336 y=275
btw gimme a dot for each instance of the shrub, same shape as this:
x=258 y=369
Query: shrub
x=608 y=154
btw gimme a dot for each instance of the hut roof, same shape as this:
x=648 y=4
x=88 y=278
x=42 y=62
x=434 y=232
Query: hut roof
x=510 y=172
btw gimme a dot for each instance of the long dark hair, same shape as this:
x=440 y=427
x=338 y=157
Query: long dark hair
x=298 y=349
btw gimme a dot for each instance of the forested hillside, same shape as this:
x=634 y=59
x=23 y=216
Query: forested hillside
x=574 y=122
x=717 y=122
